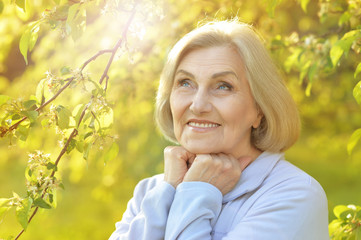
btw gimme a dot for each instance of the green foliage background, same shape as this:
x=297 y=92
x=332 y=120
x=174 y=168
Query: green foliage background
x=97 y=189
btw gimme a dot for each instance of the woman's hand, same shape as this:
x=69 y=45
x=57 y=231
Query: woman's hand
x=177 y=160
x=221 y=170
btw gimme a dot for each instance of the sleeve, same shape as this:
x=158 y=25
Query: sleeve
x=294 y=211
x=288 y=211
x=194 y=211
x=146 y=215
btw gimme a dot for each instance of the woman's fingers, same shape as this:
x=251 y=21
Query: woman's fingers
x=221 y=170
x=176 y=164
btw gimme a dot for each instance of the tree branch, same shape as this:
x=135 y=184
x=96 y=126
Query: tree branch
x=118 y=44
x=95 y=57
x=75 y=131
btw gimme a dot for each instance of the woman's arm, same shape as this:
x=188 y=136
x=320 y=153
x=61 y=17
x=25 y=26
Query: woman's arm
x=292 y=210
x=194 y=211
x=147 y=212
x=198 y=199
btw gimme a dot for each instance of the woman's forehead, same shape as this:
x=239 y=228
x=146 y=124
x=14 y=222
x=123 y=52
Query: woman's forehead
x=212 y=60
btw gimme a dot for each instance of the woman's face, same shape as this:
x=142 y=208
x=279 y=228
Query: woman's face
x=212 y=106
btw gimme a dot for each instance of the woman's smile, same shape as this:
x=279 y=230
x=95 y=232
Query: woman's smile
x=202 y=125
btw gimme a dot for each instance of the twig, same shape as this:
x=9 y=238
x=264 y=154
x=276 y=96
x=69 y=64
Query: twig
x=95 y=57
x=118 y=44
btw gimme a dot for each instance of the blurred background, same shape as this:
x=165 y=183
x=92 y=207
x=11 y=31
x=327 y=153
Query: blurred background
x=98 y=189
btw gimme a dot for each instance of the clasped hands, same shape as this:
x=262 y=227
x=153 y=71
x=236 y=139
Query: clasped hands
x=221 y=170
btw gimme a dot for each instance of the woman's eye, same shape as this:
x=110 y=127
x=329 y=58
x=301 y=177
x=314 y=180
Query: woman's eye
x=184 y=83
x=225 y=86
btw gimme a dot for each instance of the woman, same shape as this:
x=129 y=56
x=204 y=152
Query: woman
x=222 y=100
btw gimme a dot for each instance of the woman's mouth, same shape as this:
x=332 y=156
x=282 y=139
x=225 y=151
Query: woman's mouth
x=202 y=124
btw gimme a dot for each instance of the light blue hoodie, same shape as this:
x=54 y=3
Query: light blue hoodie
x=272 y=200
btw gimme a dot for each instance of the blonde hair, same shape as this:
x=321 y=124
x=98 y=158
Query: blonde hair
x=280 y=125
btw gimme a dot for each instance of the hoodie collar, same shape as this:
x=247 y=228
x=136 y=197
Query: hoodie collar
x=254 y=175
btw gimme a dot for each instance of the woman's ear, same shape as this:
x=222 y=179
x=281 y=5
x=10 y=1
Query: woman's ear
x=258 y=120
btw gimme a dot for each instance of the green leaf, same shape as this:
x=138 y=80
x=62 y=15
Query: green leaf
x=106 y=119
x=304 y=4
x=78 y=25
x=22 y=212
x=61 y=185
x=28 y=104
x=88 y=134
x=29 y=175
x=87 y=147
x=41 y=203
x=20 y=4
x=357 y=92
x=343 y=45
x=24 y=44
x=51 y=166
x=64 y=117
x=71 y=146
x=312 y=72
x=4 y=202
x=336 y=53
x=31 y=115
x=15 y=195
x=98 y=90
x=53 y=198
x=334 y=227
x=341 y=211
x=71 y=17
x=1 y=6
x=112 y=153
x=28 y=39
x=72 y=12
x=80 y=146
x=3 y=210
x=77 y=111
x=40 y=92
x=4 y=99
x=16 y=117
x=292 y=59
x=271 y=7
x=308 y=89
x=304 y=70
x=65 y=70
x=357 y=71
x=22 y=132
x=352 y=142
x=34 y=34
x=345 y=17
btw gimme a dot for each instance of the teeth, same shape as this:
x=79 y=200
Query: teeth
x=203 y=125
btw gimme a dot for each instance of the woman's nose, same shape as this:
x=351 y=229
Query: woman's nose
x=201 y=102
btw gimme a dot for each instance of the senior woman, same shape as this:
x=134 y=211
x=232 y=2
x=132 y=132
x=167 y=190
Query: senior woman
x=221 y=99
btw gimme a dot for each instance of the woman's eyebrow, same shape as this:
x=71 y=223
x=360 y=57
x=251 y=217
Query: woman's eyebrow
x=221 y=74
x=216 y=75
x=184 y=72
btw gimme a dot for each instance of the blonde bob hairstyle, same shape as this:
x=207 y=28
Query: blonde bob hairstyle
x=280 y=125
